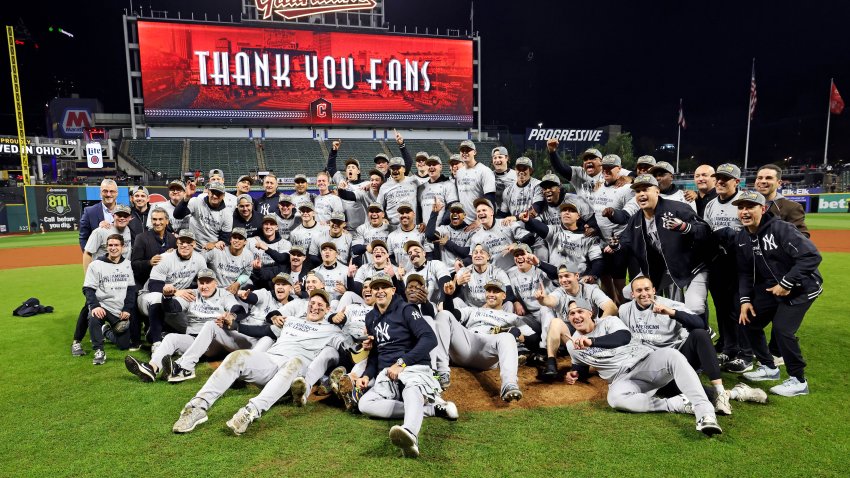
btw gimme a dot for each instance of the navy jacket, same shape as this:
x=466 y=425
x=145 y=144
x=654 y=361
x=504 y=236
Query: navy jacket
x=778 y=253
x=89 y=221
x=684 y=254
x=400 y=332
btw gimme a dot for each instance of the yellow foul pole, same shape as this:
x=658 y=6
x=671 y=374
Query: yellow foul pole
x=19 y=115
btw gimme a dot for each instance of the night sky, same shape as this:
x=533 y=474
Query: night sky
x=566 y=64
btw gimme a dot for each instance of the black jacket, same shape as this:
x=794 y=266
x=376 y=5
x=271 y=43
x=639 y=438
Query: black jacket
x=683 y=254
x=400 y=332
x=145 y=246
x=778 y=253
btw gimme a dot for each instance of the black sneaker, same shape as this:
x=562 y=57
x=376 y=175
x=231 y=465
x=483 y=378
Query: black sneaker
x=447 y=410
x=551 y=371
x=167 y=367
x=178 y=373
x=738 y=366
x=143 y=370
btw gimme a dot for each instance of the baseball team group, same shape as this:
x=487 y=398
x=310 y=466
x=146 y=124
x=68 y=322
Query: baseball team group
x=371 y=288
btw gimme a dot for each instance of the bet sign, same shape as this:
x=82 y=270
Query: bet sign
x=74 y=121
x=834 y=203
x=291 y=9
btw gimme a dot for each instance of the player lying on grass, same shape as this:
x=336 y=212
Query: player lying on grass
x=635 y=372
x=299 y=343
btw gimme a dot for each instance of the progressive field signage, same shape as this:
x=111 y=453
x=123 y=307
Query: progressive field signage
x=250 y=75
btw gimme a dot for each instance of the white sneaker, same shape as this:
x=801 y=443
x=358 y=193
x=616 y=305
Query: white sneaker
x=722 y=405
x=405 y=440
x=745 y=393
x=709 y=426
x=762 y=374
x=242 y=418
x=190 y=417
x=445 y=409
x=299 y=392
x=791 y=388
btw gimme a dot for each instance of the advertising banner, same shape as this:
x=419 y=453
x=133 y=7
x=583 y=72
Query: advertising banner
x=218 y=74
x=834 y=203
x=58 y=208
x=805 y=201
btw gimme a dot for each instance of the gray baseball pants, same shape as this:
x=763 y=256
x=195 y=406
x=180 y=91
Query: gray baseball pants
x=213 y=340
x=634 y=389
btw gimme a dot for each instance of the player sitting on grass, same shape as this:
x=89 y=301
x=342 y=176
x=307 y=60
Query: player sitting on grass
x=207 y=305
x=634 y=372
x=299 y=342
x=110 y=296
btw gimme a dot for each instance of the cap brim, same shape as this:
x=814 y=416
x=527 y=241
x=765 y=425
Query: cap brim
x=375 y=282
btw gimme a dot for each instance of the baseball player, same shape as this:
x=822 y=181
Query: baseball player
x=456 y=231
x=406 y=231
x=438 y=189
x=301 y=339
x=245 y=217
x=207 y=304
x=326 y=203
x=350 y=184
x=301 y=197
x=267 y=203
x=176 y=195
x=483 y=338
x=308 y=229
x=585 y=178
x=634 y=372
x=379 y=263
x=405 y=386
x=96 y=243
x=232 y=266
x=399 y=190
x=338 y=234
x=505 y=177
x=110 y=293
x=499 y=239
x=335 y=274
x=523 y=193
x=264 y=320
x=474 y=181
x=554 y=195
x=567 y=243
x=210 y=219
x=663 y=173
x=779 y=281
x=435 y=273
x=374 y=229
x=139 y=209
x=469 y=281
x=643 y=165
x=287 y=219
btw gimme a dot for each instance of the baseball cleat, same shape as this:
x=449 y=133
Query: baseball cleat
x=167 y=367
x=190 y=417
x=335 y=377
x=512 y=393
x=77 y=349
x=708 y=426
x=722 y=405
x=762 y=374
x=324 y=386
x=99 y=357
x=551 y=371
x=745 y=393
x=445 y=379
x=299 y=392
x=241 y=419
x=447 y=410
x=143 y=370
x=791 y=388
x=178 y=373
x=738 y=366
x=405 y=440
x=349 y=393
x=723 y=359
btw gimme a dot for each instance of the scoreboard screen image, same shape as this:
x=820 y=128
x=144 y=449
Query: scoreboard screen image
x=241 y=75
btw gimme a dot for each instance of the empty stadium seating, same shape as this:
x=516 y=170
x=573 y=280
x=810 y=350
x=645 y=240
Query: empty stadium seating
x=158 y=155
x=234 y=156
x=288 y=157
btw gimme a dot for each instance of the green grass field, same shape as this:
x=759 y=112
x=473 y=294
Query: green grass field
x=38 y=240
x=66 y=417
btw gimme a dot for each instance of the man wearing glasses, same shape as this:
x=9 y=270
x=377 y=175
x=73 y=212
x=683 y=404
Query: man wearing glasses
x=96 y=215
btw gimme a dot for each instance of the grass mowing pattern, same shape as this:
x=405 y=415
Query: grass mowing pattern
x=65 y=417
x=65 y=238
x=827 y=221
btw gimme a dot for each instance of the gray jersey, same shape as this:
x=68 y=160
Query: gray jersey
x=472 y=184
x=366 y=271
x=343 y=245
x=722 y=214
x=337 y=274
x=432 y=271
x=266 y=304
x=177 y=225
x=518 y=199
x=551 y=215
x=285 y=226
x=304 y=339
x=614 y=197
x=679 y=195
x=503 y=182
x=429 y=192
x=498 y=238
x=299 y=200
x=525 y=284
x=203 y=310
x=396 y=240
x=327 y=204
x=589 y=292
x=355 y=211
x=654 y=330
x=207 y=223
x=228 y=267
x=473 y=293
x=303 y=236
x=110 y=282
x=230 y=201
x=583 y=183
x=365 y=234
x=96 y=245
x=393 y=193
x=459 y=236
x=481 y=320
x=608 y=362
x=178 y=272
x=280 y=246
x=571 y=246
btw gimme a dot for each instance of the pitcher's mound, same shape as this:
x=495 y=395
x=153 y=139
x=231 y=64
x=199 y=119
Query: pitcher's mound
x=476 y=391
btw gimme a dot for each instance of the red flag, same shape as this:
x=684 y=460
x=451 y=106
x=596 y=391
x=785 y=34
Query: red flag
x=682 y=116
x=836 y=104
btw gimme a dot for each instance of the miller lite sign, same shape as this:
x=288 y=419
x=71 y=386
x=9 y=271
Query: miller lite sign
x=94 y=155
x=75 y=121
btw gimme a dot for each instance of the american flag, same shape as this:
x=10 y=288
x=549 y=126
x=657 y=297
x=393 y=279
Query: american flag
x=682 y=123
x=753 y=98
